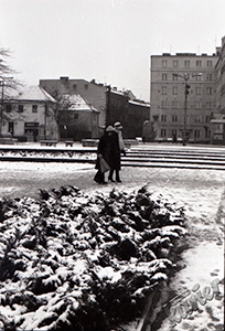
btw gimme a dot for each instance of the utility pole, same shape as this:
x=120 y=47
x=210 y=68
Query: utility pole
x=186 y=77
x=108 y=101
x=2 y=105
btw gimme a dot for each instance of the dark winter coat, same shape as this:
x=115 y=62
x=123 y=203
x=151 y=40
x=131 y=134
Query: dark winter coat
x=108 y=146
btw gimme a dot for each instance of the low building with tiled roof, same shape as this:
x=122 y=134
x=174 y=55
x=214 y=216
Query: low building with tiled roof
x=28 y=113
x=77 y=119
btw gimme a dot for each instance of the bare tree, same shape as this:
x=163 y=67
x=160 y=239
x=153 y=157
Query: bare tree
x=7 y=81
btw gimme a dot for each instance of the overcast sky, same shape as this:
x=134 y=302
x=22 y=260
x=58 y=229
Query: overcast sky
x=108 y=40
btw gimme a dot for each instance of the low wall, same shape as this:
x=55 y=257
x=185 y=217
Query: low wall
x=9 y=141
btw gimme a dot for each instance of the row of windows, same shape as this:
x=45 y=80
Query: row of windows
x=197 y=105
x=75 y=87
x=197 y=133
x=197 y=119
x=198 y=90
x=187 y=63
x=166 y=76
x=9 y=107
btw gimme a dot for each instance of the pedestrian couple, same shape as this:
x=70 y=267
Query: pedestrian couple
x=109 y=151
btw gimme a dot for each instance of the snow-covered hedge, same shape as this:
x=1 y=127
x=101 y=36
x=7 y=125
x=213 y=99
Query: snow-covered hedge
x=47 y=155
x=74 y=261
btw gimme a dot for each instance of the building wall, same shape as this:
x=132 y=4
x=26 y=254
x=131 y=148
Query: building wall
x=118 y=104
x=31 y=122
x=138 y=114
x=94 y=94
x=131 y=113
x=220 y=80
x=168 y=94
x=78 y=125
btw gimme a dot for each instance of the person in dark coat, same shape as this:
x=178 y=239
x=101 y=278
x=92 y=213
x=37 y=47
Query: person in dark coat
x=108 y=148
x=115 y=156
x=103 y=151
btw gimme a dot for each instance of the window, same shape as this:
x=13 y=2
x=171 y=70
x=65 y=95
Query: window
x=8 y=108
x=75 y=87
x=174 y=118
x=198 y=119
x=86 y=86
x=175 y=90
x=209 y=90
x=198 y=90
x=197 y=133
x=208 y=118
x=198 y=63
x=174 y=132
x=164 y=90
x=164 y=76
x=197 y=105
x=208 y=134
x=174 y=104
x=198 y=78
x=208 y=105
x=209 y=77
x=20 y=108
x=163 y=104
x=175 y=63
x=163 y=133
x=76 y=116
x=164 y=63
x=34 y=109
x=209 y=64
x=187 y=64
x=175 y=78
x=163 y=118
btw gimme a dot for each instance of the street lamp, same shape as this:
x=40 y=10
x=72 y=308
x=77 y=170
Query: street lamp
x=186 y=77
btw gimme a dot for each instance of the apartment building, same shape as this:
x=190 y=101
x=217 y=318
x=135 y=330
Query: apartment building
x=183 y=96
x=218 y=119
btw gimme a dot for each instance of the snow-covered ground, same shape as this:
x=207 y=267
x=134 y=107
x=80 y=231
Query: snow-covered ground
x=202 y=194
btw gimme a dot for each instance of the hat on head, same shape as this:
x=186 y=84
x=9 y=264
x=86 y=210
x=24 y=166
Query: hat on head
x=110 y=129
x=118 y=125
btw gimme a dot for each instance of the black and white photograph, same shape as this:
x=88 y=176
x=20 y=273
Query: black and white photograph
x=112 y=165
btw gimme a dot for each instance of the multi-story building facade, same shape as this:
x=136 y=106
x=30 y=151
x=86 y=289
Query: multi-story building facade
x=125 y=108
x=218 y=120
x=183 y=96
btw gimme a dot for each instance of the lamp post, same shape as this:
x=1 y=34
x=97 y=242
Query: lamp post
x=186 y=77
x=2 y=104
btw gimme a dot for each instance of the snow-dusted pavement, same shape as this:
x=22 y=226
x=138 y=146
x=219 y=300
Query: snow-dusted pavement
x=200 y=191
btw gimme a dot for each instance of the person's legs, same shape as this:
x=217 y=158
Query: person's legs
x=111 y=176
x=118 y=176
x=99 y=177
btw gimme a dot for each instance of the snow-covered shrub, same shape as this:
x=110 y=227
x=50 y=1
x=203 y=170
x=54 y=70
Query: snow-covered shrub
x=71 y=261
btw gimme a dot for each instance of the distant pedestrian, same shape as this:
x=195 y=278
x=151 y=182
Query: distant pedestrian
x=174 y=138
